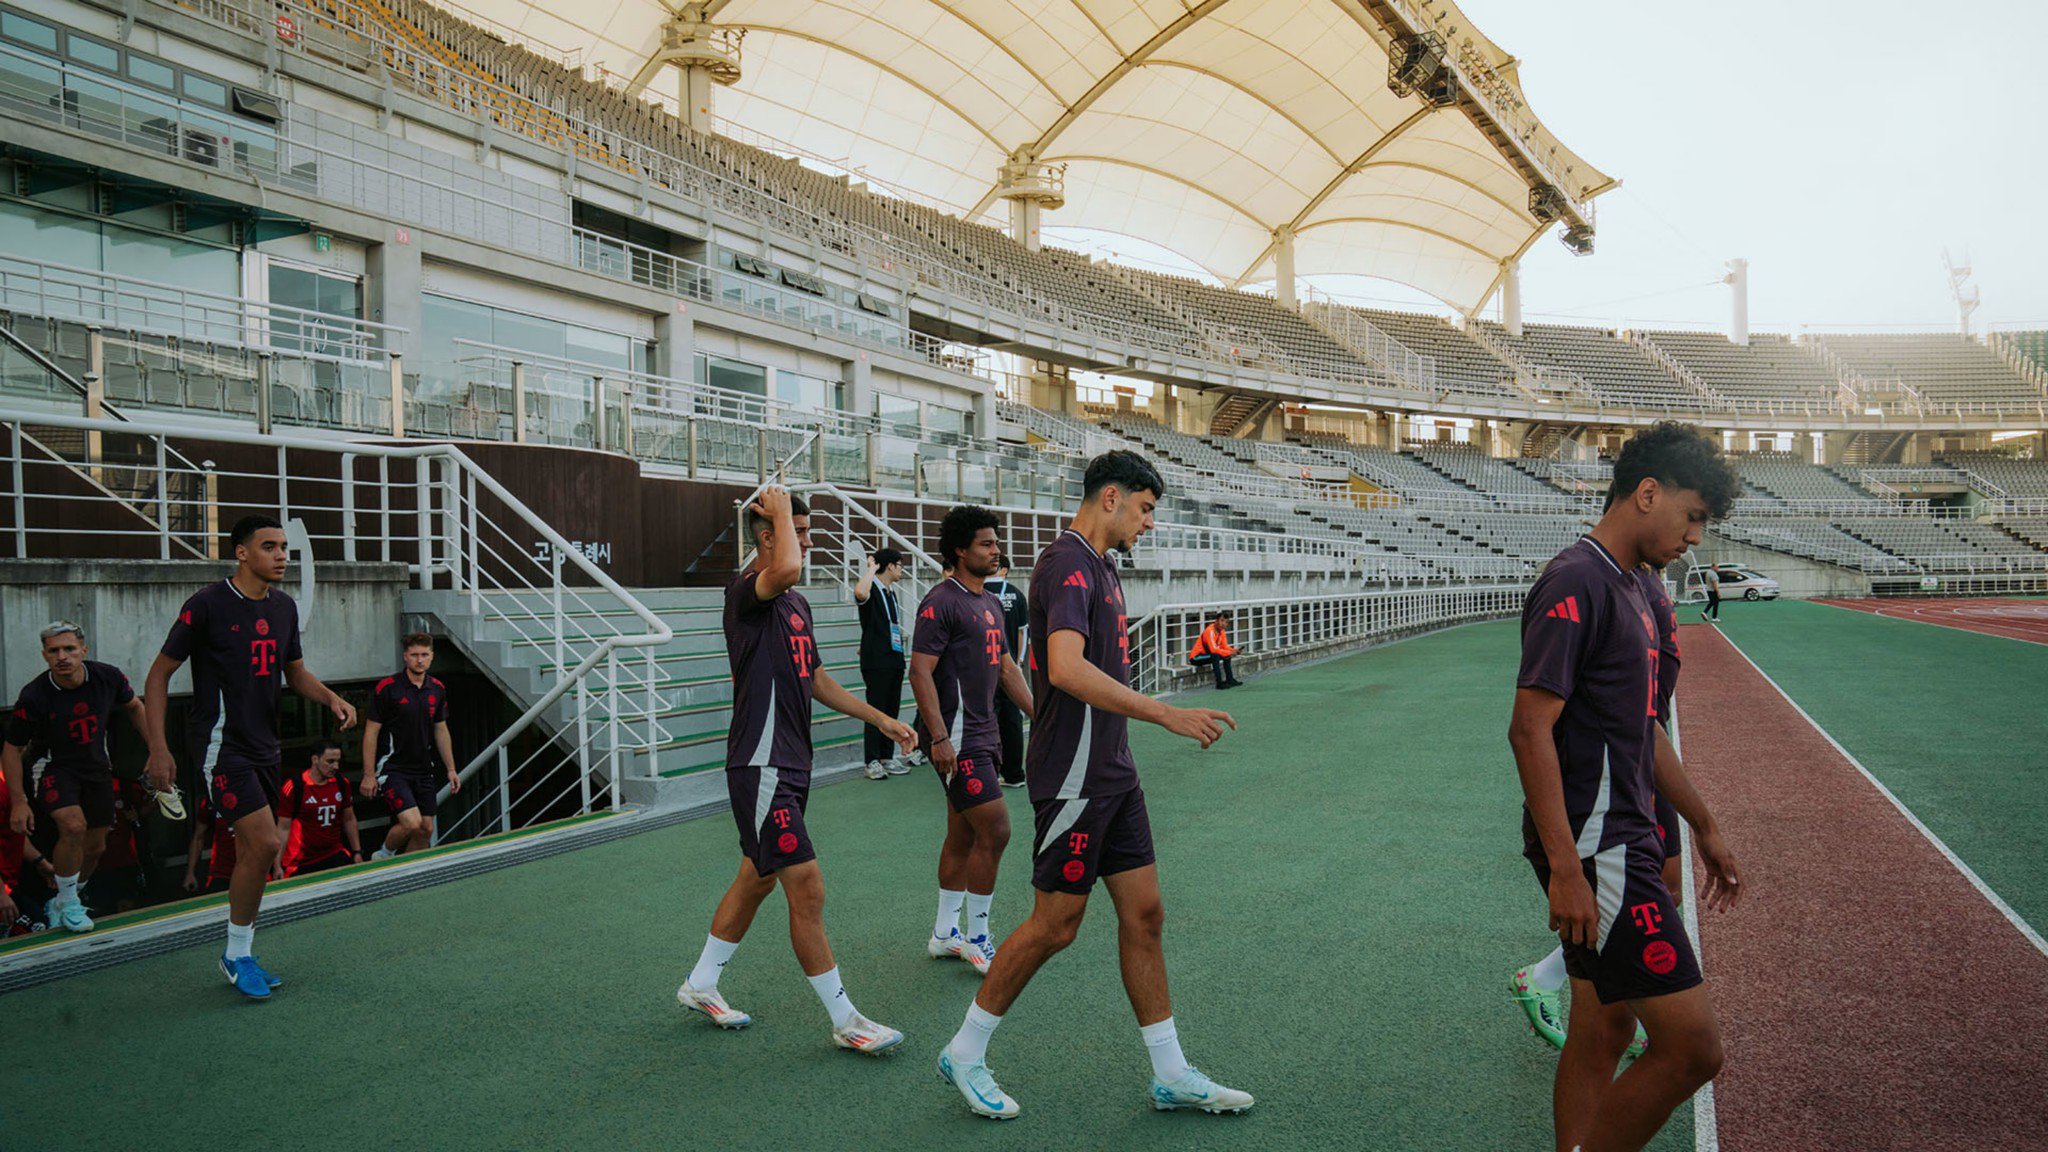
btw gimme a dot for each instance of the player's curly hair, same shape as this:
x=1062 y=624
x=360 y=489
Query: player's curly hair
x=958 y=530
x=1680 y=456
x=1127 y=470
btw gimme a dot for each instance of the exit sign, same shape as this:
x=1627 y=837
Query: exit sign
x=322 y=242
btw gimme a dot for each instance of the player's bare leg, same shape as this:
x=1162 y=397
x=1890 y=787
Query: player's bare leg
x=1054 y=922
x=1595 y=1039
x=256 y=849
x=803 y=885
x=74 y=856
x=1141 y=941
x=423 y=836
x=729 y=924
x=968 y=862
x=1685 y=1053
x=403 y=831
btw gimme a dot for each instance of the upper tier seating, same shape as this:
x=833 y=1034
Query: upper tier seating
x=1482 y=472
x=1947 y=370
x=1617 y=371
x=1789 y=478
x=2016 y=477
x=1463 y=365
x=1771 y=371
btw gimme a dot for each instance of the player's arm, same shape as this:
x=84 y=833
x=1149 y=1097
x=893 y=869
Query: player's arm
x=1070 y=672
x=301 y=680
x=446 y=747
x=1015 y=686
x=351 y=835
x=832 y=694
x=1574 y=915
x=1723 y=883
x=192 y=849
x=19 y=819
x=788 y=569
x=284 y=840
x=138 y=716
x=925 y=690
x=372 y=729
x=866 y=581
x=156 y=700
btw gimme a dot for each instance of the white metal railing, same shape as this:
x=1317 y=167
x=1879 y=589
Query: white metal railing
x=1282 y=630
x=456 y=530
x=1409 y=368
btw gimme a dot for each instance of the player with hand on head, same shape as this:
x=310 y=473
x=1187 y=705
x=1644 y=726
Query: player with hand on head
x=959 y=660
x=405 y=741
x=771 y=645
x=1090 y=811
x=242 y=636
x=1592 y=760
x=69 y=709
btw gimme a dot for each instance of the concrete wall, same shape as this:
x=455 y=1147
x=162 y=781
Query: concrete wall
x=1801 y=579
x=350 y=620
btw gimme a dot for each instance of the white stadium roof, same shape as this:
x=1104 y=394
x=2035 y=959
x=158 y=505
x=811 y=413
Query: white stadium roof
x=1201 y=127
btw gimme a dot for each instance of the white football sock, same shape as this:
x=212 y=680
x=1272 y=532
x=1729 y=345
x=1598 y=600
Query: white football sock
x=67 y=888
x=832 y=994
x=241 y=940
x=970 y=1044
x=704 y=977
x=949 y=913
x=977 y=913
x=1162 y=1043
x=1548 y=974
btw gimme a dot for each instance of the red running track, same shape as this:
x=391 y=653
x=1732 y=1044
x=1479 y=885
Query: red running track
x=1870 y=997
x=2012 y=619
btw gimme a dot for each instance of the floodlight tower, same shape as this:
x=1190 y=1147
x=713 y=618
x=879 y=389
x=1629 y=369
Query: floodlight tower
x=706 y=56
x=1966 y=294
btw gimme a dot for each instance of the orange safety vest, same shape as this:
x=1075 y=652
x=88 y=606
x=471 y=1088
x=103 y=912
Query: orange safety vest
x=1212 y=642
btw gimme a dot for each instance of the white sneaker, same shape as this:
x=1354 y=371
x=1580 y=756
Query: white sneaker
x=944 y=947
x=382 y=854
x=897 y=767
x=984 y=1096
x=170 y=803
x=711 y=1004
x=71 y=917
x=1194 y=1090
x=866 y=1037
x=980 y=952
x=874 y=770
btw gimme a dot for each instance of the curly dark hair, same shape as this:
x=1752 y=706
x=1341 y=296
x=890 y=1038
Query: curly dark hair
x=1127 y=470
x=958 y=530
x=1679 y=456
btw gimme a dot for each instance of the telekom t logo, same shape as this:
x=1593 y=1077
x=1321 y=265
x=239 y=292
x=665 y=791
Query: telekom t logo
x=263 y=656
x=1646 y=917
x=1077 y=842
x=781 y=817
x=84 y=729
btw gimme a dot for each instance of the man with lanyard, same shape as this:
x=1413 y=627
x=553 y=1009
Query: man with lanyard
x=316 y=818
x=68 y=710
x=883 y=642
x=406 y=732
x=1009 y=718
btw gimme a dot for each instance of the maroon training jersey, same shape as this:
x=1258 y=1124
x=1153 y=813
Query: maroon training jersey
x=239 y=649
x=222 y=865
x=1666 y=613
x=71 y=723
x=1076 y=750
x=965 y=631
x=772 y=649
x=1588 y=635
x=315 y=810
x=408 y=713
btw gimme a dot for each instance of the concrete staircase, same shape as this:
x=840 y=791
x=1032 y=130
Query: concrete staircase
x=688 y=677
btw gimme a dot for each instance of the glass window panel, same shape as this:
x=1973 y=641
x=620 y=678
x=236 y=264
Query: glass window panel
x=104 y=57
x=31 y=32
x=529 y=333
x=30 y=84
x=200 y=88
x=443 y=321
x=592 y=347
x=341 y=296
x=175 y=264
x=151 y=72
x=737 y=376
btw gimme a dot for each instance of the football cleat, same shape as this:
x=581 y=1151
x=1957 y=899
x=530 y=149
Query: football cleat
x=1640 y=1044
x=72 y=917
x=865 y=1036
x=1545 y=1009
x=948 y=947
x=711 y=1004
x=980 y=952
x=1194 y=1090
x=984 y=1096
x=170 y=804
x=246 y=977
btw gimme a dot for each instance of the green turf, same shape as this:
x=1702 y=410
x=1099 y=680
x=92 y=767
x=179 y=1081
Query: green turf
x=1953 y=722
x=1345 y=899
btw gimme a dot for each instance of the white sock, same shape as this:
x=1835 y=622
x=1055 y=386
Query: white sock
x=704 y=977
x=67 y=888
x=241 y=939
x=1162 y=1043
x=977 y=914
x=1548 y=974
x=949 y=913
x=970 y=1044
x=832 y=994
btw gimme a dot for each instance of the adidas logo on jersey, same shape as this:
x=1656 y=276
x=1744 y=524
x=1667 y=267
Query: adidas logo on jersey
x=1076 y=580
x=1565 y=609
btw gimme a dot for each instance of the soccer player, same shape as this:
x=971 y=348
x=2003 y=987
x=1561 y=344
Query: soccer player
x=1591 y=757
x=884 y=637
x=406 y=732
x=958 y=659
x=316 y=818
x=770 y=642
x=68 y=709
x=242 y=636
x=1009 y=718
x=1090 y=811
x=1539 y=988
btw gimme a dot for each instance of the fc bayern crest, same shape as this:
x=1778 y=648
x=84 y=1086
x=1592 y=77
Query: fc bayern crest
x=262 y=627
x=80 y=708
x=796 y=621
x=987 y=617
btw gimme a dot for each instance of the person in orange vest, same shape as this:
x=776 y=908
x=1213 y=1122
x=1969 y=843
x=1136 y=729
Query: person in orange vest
x=1213 y=648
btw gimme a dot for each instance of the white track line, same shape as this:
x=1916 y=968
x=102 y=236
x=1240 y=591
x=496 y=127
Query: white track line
x=1976 y=881
x=1930 y=621
x=1706 y=1126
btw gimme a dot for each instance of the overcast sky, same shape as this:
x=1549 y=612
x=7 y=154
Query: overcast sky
x=1838 y=146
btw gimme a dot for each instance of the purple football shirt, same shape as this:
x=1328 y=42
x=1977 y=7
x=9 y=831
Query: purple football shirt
x=772 y=648
x=965 y=631
x=1076 y=750
x=239 y=649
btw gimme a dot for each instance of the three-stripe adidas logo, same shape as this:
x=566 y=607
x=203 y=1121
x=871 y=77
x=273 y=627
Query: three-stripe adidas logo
x=1076 y=580
x=1565 y=609
x=928 y=614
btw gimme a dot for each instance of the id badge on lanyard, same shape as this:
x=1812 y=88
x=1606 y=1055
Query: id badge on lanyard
x=895 y=629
